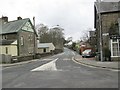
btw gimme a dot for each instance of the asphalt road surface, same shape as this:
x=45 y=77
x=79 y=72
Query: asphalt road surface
x=58 y=71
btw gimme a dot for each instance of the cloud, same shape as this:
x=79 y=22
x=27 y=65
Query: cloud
x=73 y=15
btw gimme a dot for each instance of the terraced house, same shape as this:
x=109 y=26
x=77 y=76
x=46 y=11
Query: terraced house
x=18 y=38
x=109 y=23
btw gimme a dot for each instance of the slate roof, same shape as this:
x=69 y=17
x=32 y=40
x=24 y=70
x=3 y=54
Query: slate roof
x=44 y=45
x=13 y=26
x=108 y=6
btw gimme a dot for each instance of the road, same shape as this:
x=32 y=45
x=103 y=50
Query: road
x=58 y=71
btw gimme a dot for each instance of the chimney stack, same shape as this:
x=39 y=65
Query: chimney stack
x=19 y=18
x=5 y=19
x=34 y=22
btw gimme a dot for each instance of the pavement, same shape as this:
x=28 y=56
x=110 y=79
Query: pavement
x=94 y=63
x=18 y=63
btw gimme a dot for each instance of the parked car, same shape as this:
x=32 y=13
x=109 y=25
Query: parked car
x=88 y=53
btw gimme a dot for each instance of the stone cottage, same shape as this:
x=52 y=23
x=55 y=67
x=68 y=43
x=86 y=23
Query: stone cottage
x=18 y=38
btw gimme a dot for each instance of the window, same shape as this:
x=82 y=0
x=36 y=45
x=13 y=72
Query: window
x=4 y=37
x=115 y=47
x=29 y=38
x=114 y=40
x=6 y=50
x=44 y=49
x=22 y=40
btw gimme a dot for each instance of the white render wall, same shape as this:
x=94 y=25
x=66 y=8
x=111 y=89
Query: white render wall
x=12 y=50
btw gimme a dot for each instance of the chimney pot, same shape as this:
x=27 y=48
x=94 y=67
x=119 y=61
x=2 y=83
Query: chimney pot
x=5 y=19
x=19 y=18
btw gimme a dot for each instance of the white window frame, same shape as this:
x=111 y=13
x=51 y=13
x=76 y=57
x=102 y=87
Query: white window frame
x=22 y=40
x=112 y=47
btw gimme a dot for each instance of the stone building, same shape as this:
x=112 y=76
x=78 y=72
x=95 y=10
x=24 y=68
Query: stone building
x=45 y=48
x=109 y=14
x=18 y=38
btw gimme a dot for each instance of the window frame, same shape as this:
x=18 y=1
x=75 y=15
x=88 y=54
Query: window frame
x=22 y=40
x=118 y=48
x=6 y=50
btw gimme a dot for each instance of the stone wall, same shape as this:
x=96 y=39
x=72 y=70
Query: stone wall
x=28 y=43
x=107 y=20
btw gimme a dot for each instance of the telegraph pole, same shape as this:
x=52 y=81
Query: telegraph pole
x=34 y=37
x=100 y=29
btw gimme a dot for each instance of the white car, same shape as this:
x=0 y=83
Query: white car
x=88 y=53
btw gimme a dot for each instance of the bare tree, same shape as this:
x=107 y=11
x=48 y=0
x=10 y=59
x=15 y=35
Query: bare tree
x=43 y=32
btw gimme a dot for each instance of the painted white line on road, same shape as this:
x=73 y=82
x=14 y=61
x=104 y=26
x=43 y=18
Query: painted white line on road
x=73 y=53
x=48 y=66
x=19 y=84
x=66 y=59
x=62 y=53
x=47 y=59
x=114 y=70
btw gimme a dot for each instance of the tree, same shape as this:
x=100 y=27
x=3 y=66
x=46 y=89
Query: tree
x=74 y=46
x=57 y=36
x=85 y=36
x=69 y=39
x=43 y=32
x=53 y=35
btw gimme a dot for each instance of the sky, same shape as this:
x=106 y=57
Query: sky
x=76 y=17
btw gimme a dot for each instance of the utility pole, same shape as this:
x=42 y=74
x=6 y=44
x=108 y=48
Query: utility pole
x=34 y=37
x=100 y=29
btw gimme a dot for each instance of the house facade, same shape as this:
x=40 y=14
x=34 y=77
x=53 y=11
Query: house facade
x=18 y=37
x=109 y=15
x=45 y=48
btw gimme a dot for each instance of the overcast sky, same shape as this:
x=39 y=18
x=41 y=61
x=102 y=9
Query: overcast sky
x=75 y=16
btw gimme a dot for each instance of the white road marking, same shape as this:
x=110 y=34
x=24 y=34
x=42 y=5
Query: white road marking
x=47 y=59
x=73 y=53
x=66 y=59
x=62 y=53
x=115 y=70
x=48 y=66
x=19 y=84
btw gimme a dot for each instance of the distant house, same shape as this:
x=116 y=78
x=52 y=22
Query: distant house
x=18 y=37
x=45 y=48
x=109 y=14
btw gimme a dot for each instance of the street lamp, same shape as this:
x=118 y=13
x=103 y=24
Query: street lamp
x=101 y=52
